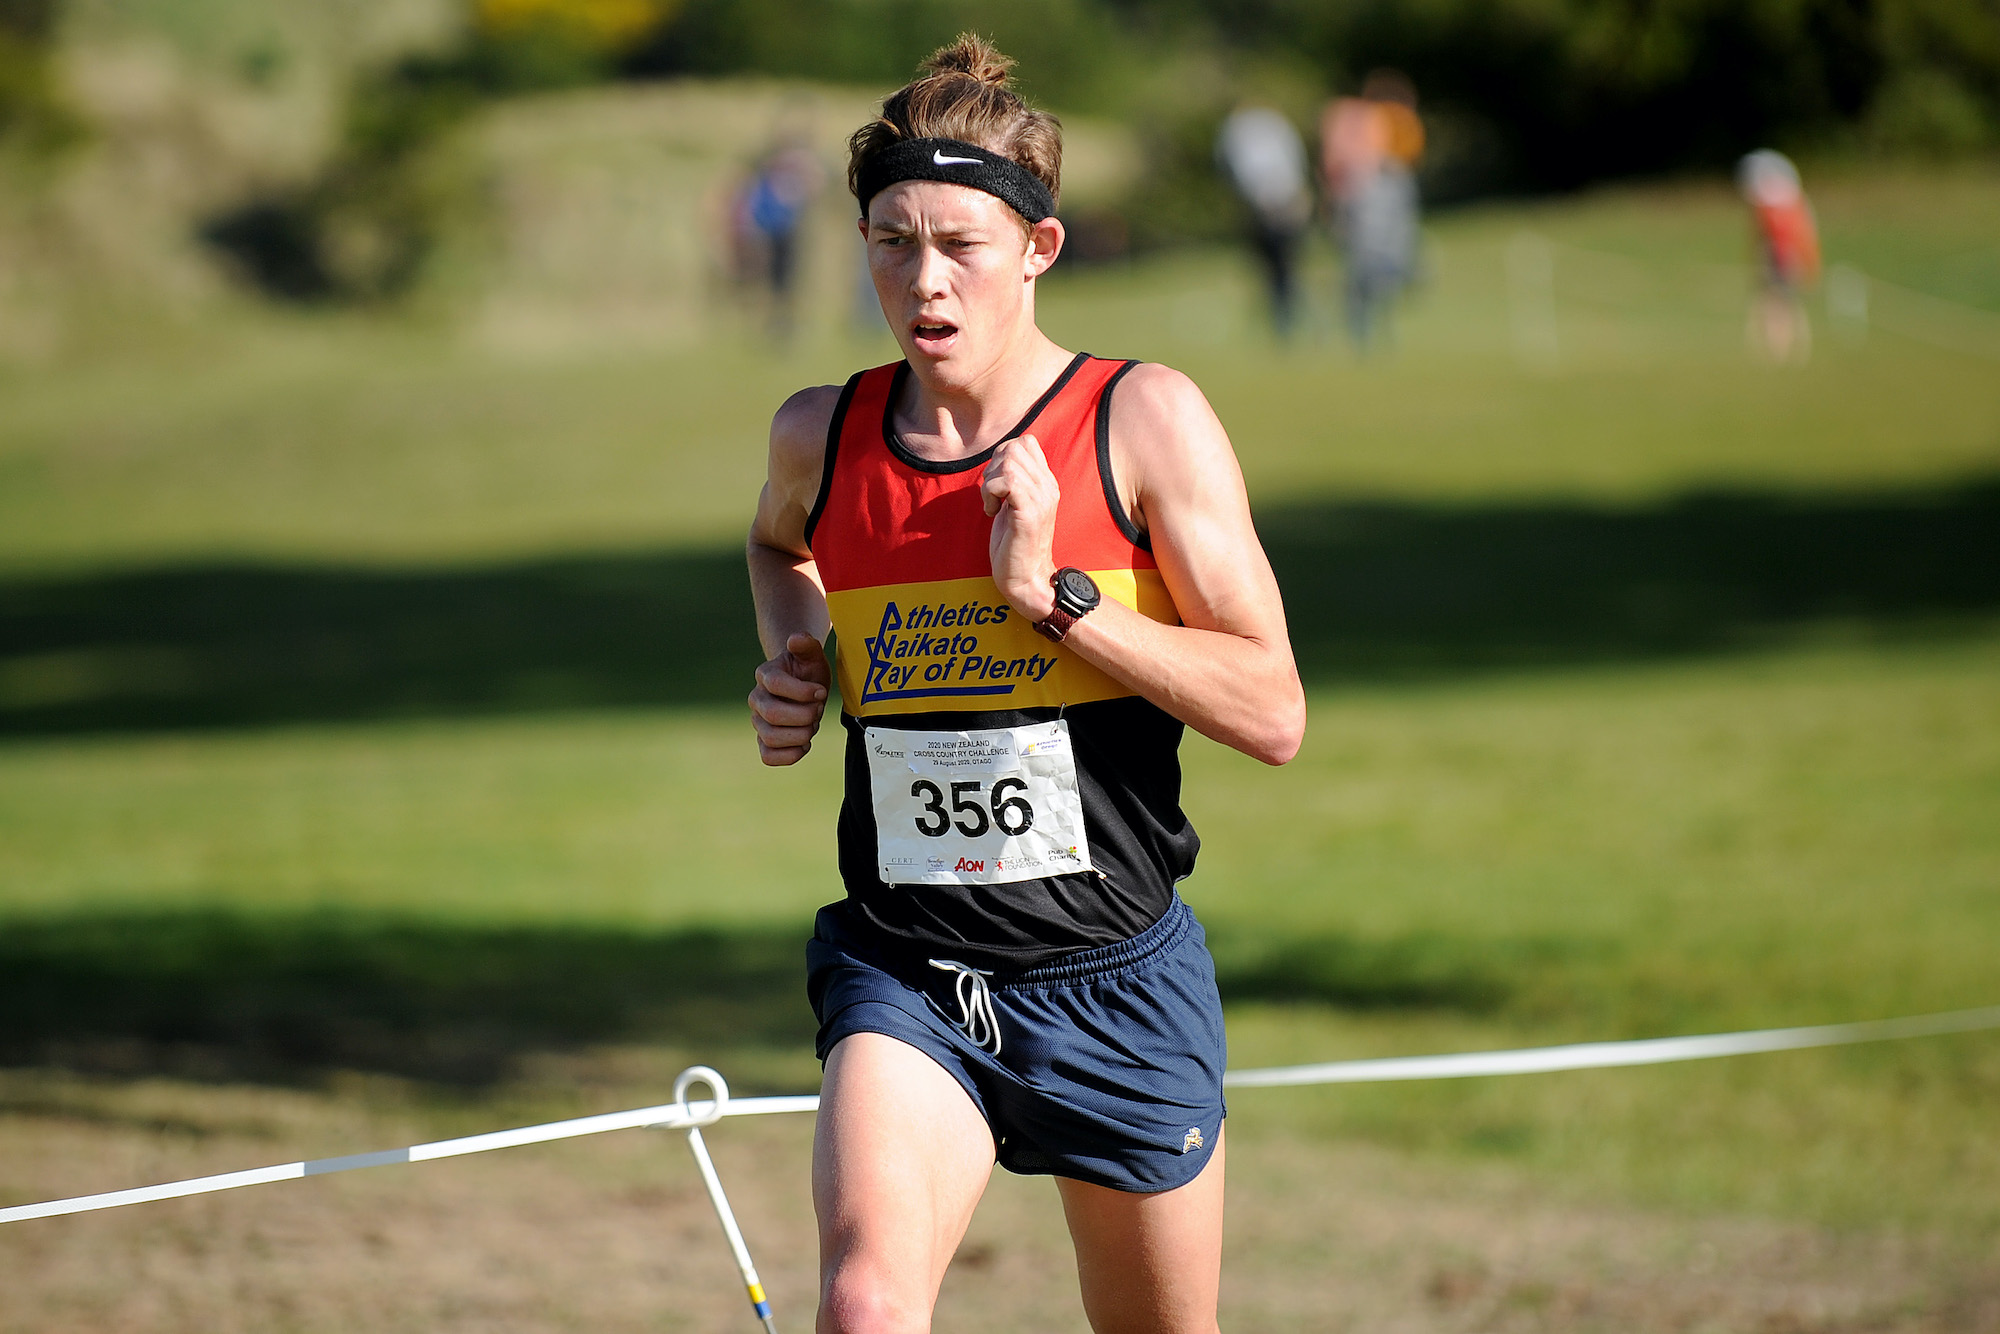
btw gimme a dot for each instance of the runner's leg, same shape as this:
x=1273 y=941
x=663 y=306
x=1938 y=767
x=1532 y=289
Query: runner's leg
x=1149 y=1264
x=900 y=1157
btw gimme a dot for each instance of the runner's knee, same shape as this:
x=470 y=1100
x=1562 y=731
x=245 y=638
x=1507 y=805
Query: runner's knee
x=862 y=1298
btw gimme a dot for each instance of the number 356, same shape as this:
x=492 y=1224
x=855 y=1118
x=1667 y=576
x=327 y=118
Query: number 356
x=1012 y=815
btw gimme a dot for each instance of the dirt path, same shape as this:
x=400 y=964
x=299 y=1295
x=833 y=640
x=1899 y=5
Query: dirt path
x=614 y=1234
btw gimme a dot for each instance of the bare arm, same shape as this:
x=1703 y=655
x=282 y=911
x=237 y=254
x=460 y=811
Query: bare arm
x=1227 y=670
x=789 y=699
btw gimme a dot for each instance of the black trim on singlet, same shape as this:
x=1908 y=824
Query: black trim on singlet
x=832 y=450
x=906 y=455
x=1143 y=541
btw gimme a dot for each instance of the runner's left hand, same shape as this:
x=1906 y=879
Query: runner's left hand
x=1021 y=496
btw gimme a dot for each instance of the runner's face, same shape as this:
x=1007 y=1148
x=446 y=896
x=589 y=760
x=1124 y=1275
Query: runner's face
x=955 y=269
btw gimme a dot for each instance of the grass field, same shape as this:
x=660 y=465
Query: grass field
x=360 y=784
x=347 y=440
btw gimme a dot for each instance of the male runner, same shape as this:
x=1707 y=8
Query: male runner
x=1034 y=583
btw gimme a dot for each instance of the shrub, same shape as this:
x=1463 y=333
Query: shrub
x=32 y=113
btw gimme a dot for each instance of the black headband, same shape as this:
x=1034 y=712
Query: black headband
x=955 y=163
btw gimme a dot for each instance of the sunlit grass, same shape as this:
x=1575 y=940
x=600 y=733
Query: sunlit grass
x=316 y=437
x=1803 y=836
x=1806 y=837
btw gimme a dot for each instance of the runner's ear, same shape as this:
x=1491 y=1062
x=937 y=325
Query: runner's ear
x=1045 y=242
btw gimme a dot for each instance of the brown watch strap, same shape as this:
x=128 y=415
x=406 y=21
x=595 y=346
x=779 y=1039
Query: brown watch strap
x=1057 y=625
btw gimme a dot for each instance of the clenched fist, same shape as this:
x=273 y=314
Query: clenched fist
x=789 y=700
x=1021 y=495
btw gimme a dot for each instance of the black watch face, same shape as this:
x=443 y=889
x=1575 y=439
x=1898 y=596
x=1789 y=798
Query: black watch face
x=1077 y=589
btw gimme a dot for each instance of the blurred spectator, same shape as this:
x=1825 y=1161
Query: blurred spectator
x=1369 y=149
x=764 y=223
x=1260 y=153
x=1787 y=240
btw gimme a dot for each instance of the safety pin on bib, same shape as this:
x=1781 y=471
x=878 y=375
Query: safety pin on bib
x=701 y=1074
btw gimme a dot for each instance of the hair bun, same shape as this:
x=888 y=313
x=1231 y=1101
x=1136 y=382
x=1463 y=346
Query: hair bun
x=962 y=92
x=973 y=56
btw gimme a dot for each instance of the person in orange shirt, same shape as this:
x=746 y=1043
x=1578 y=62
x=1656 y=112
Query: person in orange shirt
x=1369 y=149
x=1787 y=241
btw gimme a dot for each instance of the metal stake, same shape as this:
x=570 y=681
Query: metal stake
x=701 y=1074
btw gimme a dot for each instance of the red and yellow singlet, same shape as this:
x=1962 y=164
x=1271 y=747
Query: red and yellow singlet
x=1006 y=802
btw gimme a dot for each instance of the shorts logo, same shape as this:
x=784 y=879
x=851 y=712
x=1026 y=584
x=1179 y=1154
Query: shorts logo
x=1192 y=1140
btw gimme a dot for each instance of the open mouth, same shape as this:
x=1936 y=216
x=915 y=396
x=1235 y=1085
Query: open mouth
x=933 y=337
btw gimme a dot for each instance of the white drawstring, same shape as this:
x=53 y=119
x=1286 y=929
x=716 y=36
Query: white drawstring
x=975 y=1002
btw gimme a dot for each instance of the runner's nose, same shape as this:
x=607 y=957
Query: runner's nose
x=927 y=281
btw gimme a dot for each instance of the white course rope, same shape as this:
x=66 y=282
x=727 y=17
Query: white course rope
x=1855 y=301
x=668 y=1116
x=1599 y=1055
x=691 y=1116
x=1951 y=325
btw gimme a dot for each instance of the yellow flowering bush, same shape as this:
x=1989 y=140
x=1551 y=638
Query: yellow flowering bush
x=600 y=25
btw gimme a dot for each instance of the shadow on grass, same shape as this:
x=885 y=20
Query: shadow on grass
x=245 y=644
x=1386 y=590
x=1425 y=971
x=282 y=998
x=288 y=999
x=1373 y=590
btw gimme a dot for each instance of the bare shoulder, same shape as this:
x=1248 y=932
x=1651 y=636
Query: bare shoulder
x=1163 y=428
x=799 y=427
x=798 y=438
x=1153 y=394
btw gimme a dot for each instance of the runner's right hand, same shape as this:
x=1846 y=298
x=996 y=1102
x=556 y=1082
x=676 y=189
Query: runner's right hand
x=789 y=700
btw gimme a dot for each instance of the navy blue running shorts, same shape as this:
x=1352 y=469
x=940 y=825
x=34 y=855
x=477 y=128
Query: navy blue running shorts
x=1110 y=1059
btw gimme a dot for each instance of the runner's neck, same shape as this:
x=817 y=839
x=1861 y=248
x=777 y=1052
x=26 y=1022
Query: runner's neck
x=943 y=425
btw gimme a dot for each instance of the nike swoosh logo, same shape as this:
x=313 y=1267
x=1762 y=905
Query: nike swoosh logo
x=937 y=156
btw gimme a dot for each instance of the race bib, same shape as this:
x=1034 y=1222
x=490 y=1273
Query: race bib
x=978 y=807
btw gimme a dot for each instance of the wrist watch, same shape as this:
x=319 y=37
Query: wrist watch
x=1076 y=598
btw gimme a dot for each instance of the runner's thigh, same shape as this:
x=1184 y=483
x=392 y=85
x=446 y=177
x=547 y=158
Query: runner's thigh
x=1149 y=1264
x=900 y=1157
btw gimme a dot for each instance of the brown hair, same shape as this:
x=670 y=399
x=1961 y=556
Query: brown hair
x=963 y=92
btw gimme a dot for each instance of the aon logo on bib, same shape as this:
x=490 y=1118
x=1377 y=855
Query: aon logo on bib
x=979 y=807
